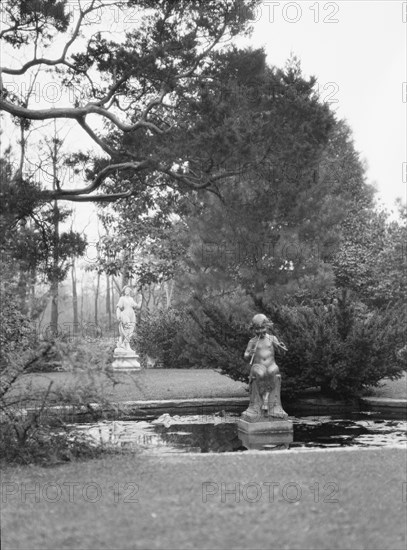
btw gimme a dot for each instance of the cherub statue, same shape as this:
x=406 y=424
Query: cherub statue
x=127 y=319
x=264 y=380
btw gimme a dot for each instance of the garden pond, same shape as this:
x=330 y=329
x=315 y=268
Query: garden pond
x=219 y=433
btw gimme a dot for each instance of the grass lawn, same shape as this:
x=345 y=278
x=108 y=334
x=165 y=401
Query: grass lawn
x=395 y=389
x=173 y=509
x=149 y=384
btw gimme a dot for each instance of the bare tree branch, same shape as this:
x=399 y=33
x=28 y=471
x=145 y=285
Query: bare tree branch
x=62 y=59
x=113 y=89
x=15 y=27
x=94 y=198
x=192 y=182
x=106 y=148
x=98 y=180
x=76 y=113
x=148 y=116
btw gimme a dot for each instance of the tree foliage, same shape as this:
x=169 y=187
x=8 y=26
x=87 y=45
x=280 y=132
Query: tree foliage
x=27 y=236
x=143 y=83
x=296 y=237
x=371 y=261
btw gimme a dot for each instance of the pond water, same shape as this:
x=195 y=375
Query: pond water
x=219 y=433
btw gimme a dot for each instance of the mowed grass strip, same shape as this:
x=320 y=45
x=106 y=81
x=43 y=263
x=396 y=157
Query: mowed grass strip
x=150 y=384
x=337 y=500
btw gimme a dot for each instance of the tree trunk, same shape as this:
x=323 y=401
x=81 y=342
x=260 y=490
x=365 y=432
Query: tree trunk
x=113 y=303
x=108 y=305
x=82 y=300
x=169 y=289
x=54 y=280
x=31 y=299
x=55 y=250
x=74 y=300
x=97 y=298
x=22 y=290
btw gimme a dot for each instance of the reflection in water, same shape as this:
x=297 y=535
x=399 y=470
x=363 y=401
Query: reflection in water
x=198 y=434
x=267 y=442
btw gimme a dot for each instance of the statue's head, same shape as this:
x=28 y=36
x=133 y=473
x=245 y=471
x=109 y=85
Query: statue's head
x=260 y=324
x=126 y=290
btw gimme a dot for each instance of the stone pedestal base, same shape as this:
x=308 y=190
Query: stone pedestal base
x=267 y=435
x=125 y=361
x=266 y=427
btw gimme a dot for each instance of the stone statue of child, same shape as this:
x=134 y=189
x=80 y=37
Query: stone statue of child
x=264 y=380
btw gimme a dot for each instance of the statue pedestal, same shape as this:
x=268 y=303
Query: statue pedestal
x=125 y=361
x=274 y=426
x=265 y=435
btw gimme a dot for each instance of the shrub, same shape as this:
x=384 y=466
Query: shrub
x=216 y=340
x=67 y=353
x=44 y=445
x=29 y=432
x=15 y=329
x=343 y=349
x=194 y=337
x=26 y=438
x=159 y=335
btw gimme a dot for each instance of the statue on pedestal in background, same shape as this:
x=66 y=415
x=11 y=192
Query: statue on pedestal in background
x=265 y=379
x=126 y=316
x=126 y=358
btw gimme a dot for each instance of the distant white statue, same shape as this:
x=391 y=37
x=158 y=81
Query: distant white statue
x=126 y=316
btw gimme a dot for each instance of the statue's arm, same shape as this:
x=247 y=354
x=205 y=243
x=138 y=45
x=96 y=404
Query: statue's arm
x=249 y=350
x=279 y=344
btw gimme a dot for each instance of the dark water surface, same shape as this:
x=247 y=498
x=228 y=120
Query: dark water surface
x=217 y=433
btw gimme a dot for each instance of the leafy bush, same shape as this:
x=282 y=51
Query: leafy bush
x=44 y=445
x=215 y=340
x=195 y=337
x=15 y=329
x=67 y=353
x=159 y=335
x=30 y=433
x=296 y=327
x=30 y=437
x=343 y=348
